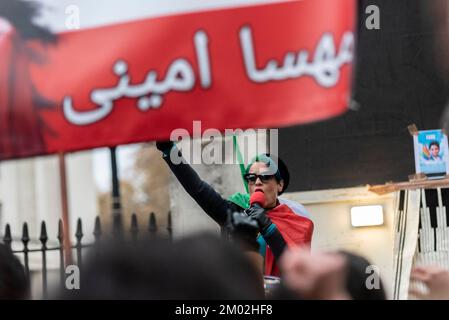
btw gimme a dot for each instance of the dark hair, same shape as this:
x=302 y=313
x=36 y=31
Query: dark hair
x=356 y=278
x=434 y=143
x=14 y=283
x=197 y=267
x=278 y=167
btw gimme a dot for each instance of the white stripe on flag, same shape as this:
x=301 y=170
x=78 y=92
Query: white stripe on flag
x=56 y=13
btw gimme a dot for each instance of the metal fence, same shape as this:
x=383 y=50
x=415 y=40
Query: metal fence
x=77 y=247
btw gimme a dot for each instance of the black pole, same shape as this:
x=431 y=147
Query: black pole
x=116 y=204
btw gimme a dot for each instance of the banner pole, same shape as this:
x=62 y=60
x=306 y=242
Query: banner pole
x=65 y=211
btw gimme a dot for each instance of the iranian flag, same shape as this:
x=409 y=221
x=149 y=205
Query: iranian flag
x=119 y=72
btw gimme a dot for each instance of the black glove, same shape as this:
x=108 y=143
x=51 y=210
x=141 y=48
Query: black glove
x=165 y=146
x=243 y=229
x=259 y=214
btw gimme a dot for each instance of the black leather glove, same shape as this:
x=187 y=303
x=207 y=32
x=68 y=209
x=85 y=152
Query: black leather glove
x=165 y=146
x=243 y=229
x=259 y=214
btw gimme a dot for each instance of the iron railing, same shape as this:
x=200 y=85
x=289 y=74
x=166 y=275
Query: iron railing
x=78 y=246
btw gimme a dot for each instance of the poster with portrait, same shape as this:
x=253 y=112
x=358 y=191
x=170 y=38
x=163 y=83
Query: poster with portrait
x=431 y=153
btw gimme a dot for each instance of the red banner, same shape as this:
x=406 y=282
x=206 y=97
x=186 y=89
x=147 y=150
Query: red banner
x=266 y=65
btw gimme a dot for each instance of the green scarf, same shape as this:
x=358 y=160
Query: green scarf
x=240 y=199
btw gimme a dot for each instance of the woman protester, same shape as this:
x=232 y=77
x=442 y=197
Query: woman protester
x=282 y=223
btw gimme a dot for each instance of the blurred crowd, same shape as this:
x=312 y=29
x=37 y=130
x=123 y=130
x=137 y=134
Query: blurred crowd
x=206 y=267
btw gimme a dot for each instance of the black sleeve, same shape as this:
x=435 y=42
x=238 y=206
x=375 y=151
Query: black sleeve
x=207 y=198
x=276 y=241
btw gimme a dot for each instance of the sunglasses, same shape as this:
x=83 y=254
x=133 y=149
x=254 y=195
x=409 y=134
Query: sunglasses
x=252 y=177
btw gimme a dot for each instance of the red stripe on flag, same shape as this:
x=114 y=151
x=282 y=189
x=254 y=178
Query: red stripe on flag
x=80 y=67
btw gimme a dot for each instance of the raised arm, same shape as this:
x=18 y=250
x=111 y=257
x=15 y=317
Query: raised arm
x=207 y=198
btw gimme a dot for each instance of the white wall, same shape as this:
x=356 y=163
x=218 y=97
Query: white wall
x=17 y=195
x=82 y=192
x=30 y=192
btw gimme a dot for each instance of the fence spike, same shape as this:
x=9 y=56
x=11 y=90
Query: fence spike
x=79 y=230
x=97 y=228
x=117 y=225
x=134 y=225
x=61 y=253
x=25 y=239
x=169 y=226
x=7 y=239
x=25 y=236
x=79 y=236
x=60 y=232
x=152 y=227
x=43 y=237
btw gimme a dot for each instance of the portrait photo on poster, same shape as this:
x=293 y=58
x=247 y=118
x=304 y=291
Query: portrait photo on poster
x=431 y=153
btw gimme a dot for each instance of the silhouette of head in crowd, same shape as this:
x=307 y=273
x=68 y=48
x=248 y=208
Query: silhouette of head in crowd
x=14 y=283
x=336 y=275
x=358 y=285
x=197 y=267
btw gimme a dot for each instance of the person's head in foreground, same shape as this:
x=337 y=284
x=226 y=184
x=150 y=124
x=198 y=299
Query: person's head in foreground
x=362 y=280
x=13 y=280
x=197 y=267
x=328 y=276
x=266 y=175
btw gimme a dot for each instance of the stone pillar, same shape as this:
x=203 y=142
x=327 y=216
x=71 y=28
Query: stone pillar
x=226 y=179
